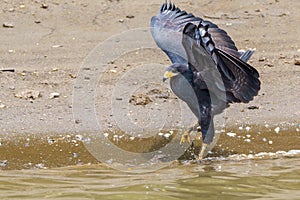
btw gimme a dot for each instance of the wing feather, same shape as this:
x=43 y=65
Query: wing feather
x=171 y=20
x=246 y=83
x=239 y=78
x=208 y=49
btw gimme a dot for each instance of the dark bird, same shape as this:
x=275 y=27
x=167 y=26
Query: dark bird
x=208 y=72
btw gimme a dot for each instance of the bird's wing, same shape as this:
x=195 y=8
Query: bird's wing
x=246 y=82
x=239 y=78
x=167 y=27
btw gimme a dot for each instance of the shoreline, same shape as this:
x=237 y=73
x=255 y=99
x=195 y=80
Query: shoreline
x=45 y=47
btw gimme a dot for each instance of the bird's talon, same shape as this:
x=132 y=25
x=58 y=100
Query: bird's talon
x=198 y=161
x=185 y=138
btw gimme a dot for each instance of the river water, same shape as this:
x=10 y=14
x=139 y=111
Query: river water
x=243 y=178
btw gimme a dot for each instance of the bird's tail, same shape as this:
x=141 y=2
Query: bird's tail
x=246 y=55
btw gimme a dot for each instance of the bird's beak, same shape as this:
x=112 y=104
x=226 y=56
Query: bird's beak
x=167 y=75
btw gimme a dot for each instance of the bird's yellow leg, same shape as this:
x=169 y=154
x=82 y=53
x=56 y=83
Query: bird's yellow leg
x=202 y=151
x=185 y=137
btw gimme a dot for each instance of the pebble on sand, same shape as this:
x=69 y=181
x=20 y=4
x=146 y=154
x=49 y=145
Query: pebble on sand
x=253 y=107
x=270 y=142
x=277 y=129
x=230 y=134
x=54 y=95
x=44 y=6
x=130 y=16
x=3 y=163
x=247 y=128
x=28 y=94
x=247 y=140
x=57 y=46
x=78 y=137
x=7 y=25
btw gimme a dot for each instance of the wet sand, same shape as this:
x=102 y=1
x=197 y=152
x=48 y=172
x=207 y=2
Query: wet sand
x=52 y=151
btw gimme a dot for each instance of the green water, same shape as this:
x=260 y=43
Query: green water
x=231 y=179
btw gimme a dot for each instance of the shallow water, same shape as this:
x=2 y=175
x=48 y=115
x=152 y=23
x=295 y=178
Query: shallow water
x=231 y=179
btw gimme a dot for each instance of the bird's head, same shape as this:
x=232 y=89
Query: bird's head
x=174 y=70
